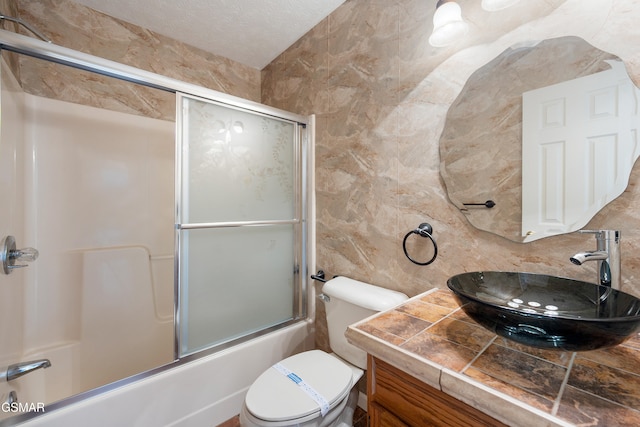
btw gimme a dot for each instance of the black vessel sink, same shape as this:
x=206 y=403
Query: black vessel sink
x=547 y=312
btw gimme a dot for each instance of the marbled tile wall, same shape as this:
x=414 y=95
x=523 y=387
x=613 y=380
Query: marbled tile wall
x=78 y=27
x=10 y=8
x=381 y=94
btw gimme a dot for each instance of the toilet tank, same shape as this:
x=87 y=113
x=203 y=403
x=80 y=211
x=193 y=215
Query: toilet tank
x=349 y=302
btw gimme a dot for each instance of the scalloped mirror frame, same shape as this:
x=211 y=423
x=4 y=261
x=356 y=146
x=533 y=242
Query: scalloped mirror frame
x=481 y=143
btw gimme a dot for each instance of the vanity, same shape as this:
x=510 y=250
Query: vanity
x=396 y=397
x=430 y=364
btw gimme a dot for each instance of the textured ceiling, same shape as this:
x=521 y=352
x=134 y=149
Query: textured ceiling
x=252 y=32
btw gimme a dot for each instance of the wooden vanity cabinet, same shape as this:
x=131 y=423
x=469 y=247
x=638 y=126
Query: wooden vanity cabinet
x=396 y=399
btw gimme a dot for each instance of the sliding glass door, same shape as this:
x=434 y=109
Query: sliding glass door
x=240 y=220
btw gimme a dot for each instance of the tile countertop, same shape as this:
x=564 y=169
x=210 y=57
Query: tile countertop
x=431 y=338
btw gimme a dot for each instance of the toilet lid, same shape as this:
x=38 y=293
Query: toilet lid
x=275 y=397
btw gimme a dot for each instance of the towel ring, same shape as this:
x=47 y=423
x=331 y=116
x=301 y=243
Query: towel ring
x=423 y=230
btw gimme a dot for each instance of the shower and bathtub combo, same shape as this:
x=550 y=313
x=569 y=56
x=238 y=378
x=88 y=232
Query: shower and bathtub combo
x=144 y=222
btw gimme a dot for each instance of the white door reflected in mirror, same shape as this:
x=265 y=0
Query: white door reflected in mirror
x=579 y=145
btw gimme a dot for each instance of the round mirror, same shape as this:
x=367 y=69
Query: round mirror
x=540 y=139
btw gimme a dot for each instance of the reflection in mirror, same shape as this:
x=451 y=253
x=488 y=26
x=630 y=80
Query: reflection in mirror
x=481 y=146
x=88 y=176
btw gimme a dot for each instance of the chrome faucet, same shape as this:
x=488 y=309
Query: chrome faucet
x=607 y=254
x=19 y=369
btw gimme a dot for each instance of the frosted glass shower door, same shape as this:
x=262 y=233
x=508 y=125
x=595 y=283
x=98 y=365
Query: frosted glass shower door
x=239 y=227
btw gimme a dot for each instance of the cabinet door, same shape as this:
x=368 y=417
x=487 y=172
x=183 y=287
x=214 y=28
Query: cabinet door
x=380 y=417
x=414 y=403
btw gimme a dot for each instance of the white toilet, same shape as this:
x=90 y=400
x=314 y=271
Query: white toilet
x=315 y=388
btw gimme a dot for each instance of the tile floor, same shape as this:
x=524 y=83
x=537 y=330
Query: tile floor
x=359 y=420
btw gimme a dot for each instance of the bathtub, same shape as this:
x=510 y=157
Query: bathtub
x=202 y=392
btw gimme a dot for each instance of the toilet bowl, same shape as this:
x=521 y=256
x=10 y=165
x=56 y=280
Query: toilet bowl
x=275 y=399
x=316 y=388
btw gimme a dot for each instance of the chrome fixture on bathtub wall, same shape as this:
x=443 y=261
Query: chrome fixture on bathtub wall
x=607 y=254
x=11 y=398
x=19 y=369
x=9 y=255
x=424 y=230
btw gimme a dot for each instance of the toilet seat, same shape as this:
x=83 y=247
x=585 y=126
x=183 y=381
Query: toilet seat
x=275 y=397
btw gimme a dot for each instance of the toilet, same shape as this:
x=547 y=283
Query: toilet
x=315 y=388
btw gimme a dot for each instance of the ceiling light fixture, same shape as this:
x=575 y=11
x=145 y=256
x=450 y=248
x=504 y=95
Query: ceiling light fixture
x=448 y=24
x=493 y=5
